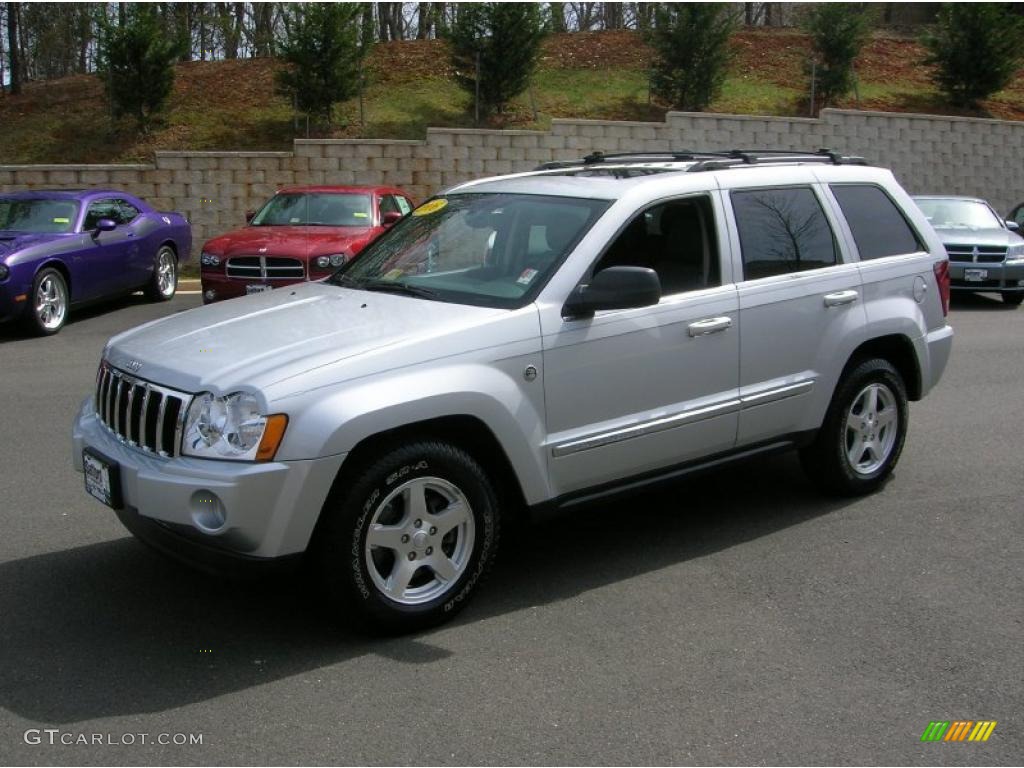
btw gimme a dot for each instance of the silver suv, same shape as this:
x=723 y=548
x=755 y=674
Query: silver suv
x=535 y=341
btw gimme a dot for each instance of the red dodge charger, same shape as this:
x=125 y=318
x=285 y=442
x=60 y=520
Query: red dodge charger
x=302 y=233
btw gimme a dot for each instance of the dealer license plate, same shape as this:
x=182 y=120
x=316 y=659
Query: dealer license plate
x=256 y=288
x=975 y=275
x=102 y=480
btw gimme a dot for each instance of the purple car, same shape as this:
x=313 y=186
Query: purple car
x=62 y=249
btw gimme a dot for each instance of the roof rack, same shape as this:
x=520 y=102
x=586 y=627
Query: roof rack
x=712 y=161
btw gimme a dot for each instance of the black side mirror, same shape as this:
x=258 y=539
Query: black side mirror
x=105 y=225
x=614 y=288
x=249 y=215
x=1013 y=226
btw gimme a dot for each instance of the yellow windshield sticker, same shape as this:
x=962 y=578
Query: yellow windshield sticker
x=394 y=274
x=61 y=220
x=432 y=207
x=359 y=214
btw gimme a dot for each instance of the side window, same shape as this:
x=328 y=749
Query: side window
x=781 y=231
x=1018 y=215
x=128 y=212
x=403 y=204
x=675 y=239
x=101 y=209
x=878 y=226
x=389 y=204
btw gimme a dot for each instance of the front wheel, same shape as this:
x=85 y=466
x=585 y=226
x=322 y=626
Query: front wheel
x=50 y=301
x=164 y=283
x=1014 y=299
x=862 y=436
x=406 y=545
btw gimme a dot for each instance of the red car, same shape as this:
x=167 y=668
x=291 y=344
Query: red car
x=302 y=233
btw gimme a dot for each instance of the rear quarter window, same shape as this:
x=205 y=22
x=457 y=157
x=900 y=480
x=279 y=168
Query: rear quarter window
x=879 y=227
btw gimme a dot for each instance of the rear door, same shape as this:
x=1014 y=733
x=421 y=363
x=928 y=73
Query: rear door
x=800 y=307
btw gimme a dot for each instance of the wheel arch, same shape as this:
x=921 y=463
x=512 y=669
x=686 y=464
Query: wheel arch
x=61 y=267
x=899 y=350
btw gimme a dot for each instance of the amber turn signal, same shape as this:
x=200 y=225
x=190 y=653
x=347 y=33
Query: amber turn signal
x=272 y=437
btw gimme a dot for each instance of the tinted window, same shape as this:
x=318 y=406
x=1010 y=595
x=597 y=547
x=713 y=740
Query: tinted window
x=101 y=209
x=781 y=231
x=676 y=240
x=389 y=204
x=128 y=212
x=878 y=227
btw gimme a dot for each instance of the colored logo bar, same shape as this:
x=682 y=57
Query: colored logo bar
x=958 y=730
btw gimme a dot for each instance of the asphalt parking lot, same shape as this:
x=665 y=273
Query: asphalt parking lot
x=739 y=618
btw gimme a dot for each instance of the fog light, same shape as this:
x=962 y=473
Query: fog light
x=210 y=295
x=208 y=513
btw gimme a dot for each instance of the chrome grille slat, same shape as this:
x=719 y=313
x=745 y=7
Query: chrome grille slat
x=266 y=268
x=126 y=408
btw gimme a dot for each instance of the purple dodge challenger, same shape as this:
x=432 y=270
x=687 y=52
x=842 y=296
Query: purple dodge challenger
x=61 y=249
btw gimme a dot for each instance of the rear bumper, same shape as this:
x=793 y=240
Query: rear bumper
x=937 y=346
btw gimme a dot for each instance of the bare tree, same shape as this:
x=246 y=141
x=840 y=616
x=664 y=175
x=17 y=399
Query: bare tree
x=14 y=46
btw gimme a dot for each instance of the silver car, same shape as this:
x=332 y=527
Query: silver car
x=985 y=252
x=521 y=344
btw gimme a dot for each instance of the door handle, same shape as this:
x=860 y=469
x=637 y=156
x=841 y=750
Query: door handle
x=840 y=298
x=708 y=325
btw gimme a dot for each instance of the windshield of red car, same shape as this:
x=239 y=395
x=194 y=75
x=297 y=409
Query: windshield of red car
x=486 y=249
x=317 y=209
x=37 y=215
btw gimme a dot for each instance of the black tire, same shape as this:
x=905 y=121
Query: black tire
x=1014 y=299
x=158 y=289
x=827 y=460
x=343 y=559
x=39 y=321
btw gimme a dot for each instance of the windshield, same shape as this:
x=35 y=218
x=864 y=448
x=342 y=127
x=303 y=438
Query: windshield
x=38 y=215
x=320 y=209
x=958 y=213
x=488 y=249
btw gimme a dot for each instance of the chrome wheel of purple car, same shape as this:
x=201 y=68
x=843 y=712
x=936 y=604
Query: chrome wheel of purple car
x=165 y=276
x=50 y=301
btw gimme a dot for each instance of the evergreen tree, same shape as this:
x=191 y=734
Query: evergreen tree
x=137 y=66
x=507 y=38
x=975 y=49
x=323 y=51
x=691 y=45
x=838 y=32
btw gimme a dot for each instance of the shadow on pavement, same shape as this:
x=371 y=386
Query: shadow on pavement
x=959 y=302
x=113 y=628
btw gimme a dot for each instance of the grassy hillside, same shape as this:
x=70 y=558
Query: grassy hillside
x=603 y=75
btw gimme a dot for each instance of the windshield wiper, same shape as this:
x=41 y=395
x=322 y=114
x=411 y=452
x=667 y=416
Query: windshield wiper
x=389 y=286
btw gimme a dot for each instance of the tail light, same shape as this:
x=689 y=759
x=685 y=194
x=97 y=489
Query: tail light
x=941 y=269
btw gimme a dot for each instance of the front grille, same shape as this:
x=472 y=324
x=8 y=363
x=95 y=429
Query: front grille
x=266 y=268
x=982 y=254
x=140 y=413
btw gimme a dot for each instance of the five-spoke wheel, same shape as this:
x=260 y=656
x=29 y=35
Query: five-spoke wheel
x=164 y=283
x=50 y=301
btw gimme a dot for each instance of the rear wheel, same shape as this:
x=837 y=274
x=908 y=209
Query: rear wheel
x=406 y=545
x=1014 y=299
x=49 y=307
x=164 y=283
x=863 y=433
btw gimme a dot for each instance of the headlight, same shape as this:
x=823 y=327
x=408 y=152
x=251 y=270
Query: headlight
x=209 y=259
x=324 y=262
x=1015 y=252
x=4 y=271
x=231 y=427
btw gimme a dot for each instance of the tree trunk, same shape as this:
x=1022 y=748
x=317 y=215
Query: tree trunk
x=14 y=47
x=423 y=21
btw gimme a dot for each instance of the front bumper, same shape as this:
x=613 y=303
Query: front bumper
x=269 y=509
x=224 y=287
x=1002 y=277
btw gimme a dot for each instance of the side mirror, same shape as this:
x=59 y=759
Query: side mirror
x=390 y=218
x=1013 y=226
x=105 y=225
x=614 y=288
x=249 y=215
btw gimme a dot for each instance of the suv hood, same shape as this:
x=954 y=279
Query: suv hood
x=257 y=341
x=300 y=242
x=976 y=236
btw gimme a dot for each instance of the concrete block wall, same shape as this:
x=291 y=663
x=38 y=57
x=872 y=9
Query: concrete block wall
x=927 y=153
